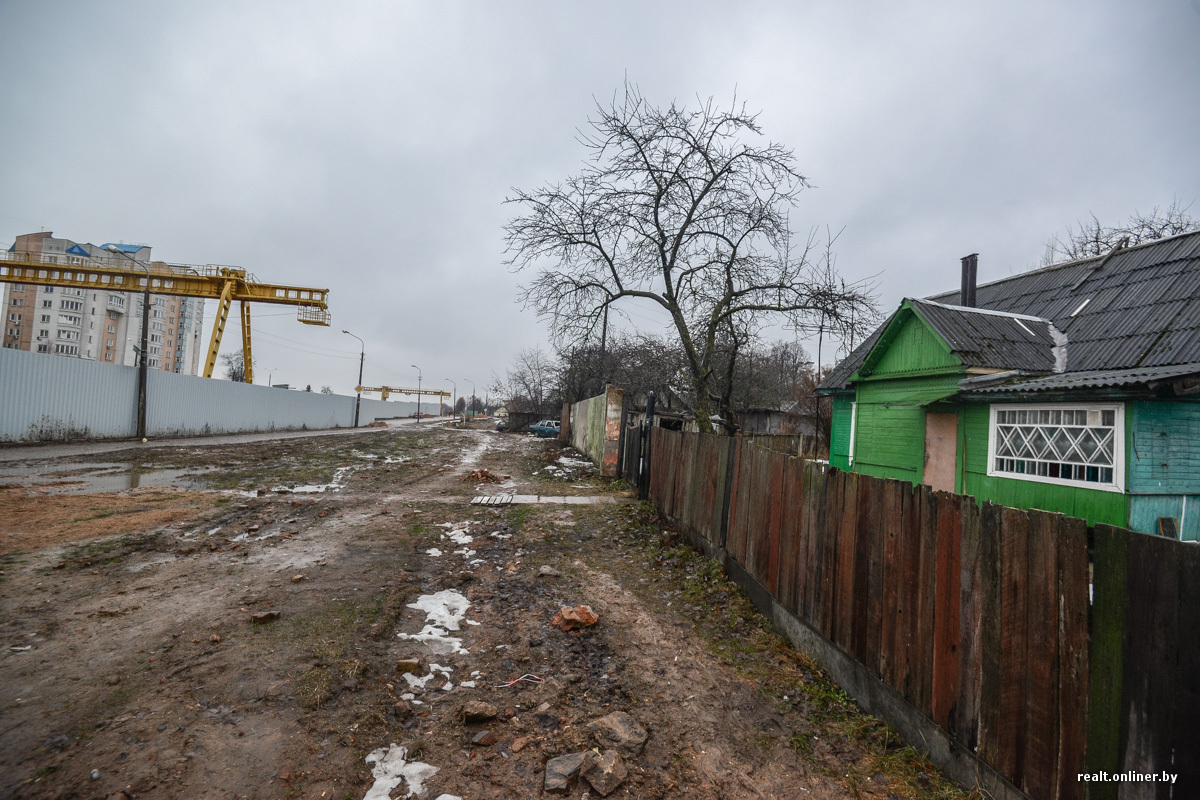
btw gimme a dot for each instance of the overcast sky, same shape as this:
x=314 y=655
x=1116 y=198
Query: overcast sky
x=367 y=147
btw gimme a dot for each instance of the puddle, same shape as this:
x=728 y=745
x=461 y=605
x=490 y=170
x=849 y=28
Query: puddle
x=93 y=478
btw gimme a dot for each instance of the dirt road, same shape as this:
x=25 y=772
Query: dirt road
x=312 y=617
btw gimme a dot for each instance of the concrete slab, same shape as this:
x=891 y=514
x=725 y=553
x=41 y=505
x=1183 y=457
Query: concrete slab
x=546 y=499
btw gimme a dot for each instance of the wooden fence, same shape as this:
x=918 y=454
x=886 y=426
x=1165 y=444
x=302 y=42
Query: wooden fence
x=978 y=617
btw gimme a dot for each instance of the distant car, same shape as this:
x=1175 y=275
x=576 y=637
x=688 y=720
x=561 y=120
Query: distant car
x=501 y=425
x=547 y=428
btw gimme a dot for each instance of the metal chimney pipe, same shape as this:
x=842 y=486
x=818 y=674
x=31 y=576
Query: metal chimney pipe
x=970 y=269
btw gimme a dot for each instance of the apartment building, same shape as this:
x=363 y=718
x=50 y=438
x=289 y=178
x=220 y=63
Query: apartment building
x=96 y=324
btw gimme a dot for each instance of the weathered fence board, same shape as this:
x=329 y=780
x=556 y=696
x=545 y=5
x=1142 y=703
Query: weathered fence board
x=977 y=616
x=1152 y=586
x=1041 y=699
x=1014 y=626
x=1105 y=658
x=863 y=615
x=1073 y=656
x=947 y=602
x=843 y=618
x=1186 y=761
x=990 y=646
x=965 y=719
x=791 y=568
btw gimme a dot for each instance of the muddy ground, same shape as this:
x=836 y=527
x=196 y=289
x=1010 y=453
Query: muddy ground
x=232 y=627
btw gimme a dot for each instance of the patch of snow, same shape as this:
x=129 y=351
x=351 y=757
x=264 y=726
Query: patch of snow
x=396 y=460
x=461 y=537
x=417 y=683
x=499 y=535
x=339 y=480
x=468 y=684
x=574 y=462
x=473 y=455
x=433 y=551
x=392 y=768
x=443 y=611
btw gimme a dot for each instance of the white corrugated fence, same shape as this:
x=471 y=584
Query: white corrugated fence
x=47 y=398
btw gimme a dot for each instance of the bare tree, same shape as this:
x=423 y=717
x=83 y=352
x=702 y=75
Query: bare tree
x=674 y=208
x=530 y=383
x=326 y=390
x=1090 y=238
x=235 y=366
x=638 y=363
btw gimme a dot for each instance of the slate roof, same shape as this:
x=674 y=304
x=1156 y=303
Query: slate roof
x=1094 y=379
x=1135 y=308
x=984 y=338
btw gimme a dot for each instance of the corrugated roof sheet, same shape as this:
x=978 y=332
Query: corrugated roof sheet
x=983 y=338
x=1142 y=309
x=1091 y=379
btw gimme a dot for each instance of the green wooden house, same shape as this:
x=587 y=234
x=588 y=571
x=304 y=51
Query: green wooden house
x=1073 y=388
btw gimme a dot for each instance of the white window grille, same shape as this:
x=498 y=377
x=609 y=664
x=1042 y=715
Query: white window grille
x=1071 y=445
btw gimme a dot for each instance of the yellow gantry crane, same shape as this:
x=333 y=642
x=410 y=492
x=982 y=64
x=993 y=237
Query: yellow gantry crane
x=385 y=391
x=220 y=283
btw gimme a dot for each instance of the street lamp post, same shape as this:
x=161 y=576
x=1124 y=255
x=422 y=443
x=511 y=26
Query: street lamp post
x=468 y=380
x=143 y=364
x=361 y=357
x=418 y=369
x=453 y=396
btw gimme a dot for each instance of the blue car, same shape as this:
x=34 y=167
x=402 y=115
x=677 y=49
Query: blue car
x=547 y=428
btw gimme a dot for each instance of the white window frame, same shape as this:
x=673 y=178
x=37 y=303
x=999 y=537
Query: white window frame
x=1118 y=467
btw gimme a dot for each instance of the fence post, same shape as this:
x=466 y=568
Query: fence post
x=644 y=477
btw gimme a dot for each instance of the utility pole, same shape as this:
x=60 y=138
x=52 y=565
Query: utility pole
x=143 y=365
x=418 y=369
x=362 y=356
x=604 y=351
x=453 y=396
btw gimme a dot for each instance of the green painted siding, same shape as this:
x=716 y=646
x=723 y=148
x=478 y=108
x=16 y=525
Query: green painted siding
x=890 y=441
x=915 y=350
x=889 y=438
x=1111 y=508
x=1163 y=465
x=1164 y=453
x=839 y=431
x=1145 y=509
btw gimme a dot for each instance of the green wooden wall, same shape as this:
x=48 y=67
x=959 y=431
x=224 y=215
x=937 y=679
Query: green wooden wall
x=913 y=349
x=890 y=433
x=1163 y=465
x=1109 y=508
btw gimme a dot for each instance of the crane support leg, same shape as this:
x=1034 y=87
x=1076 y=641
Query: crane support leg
x=214 y=342
x=247 y=360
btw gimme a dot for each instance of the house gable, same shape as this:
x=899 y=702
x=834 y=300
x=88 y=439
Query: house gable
x=908 y=347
